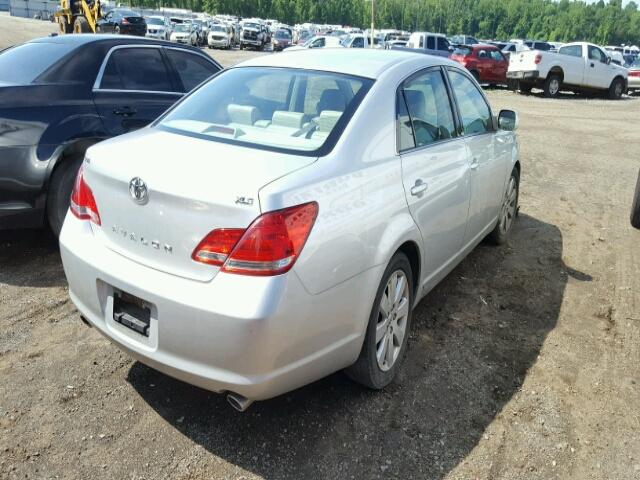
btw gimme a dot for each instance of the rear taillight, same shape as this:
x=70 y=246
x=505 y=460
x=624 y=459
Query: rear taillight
x=634 y=74
x=538 y=59
x=83 y=204
x=270 y=246
x=125 y=21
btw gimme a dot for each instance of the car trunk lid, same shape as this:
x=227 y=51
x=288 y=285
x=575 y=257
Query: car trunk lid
x=193 y=186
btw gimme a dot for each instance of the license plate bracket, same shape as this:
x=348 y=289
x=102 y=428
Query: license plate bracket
x=132 y=312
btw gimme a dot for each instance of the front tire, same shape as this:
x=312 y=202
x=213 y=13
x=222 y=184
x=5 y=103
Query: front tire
x=81 y=25
x=508 y=211
x=616 y=89
x=387 y=333
x=59 y=194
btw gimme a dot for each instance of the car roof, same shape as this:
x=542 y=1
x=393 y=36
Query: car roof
x=87 y=38
x=370 y=63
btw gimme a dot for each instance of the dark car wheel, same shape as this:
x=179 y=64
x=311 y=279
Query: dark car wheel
x=60 y=188
x=117 y=30
x=508 y=211
x=552 y=86
x=616 y=89
x=635 y=206
x=387 y=333
x=81 y=25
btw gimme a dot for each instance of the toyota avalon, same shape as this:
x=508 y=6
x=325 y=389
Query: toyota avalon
x=282 y=221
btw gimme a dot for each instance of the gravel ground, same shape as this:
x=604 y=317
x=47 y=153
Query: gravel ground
x=522 y=363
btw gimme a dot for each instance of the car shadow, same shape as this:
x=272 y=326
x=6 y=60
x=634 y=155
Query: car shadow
x=30 y=258
x=474 y=338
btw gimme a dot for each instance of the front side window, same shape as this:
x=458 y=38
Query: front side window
x=474 y=111
x=428 y=106
x=443 y=44
x=571 y=50
x=496 y=55
x=292 y=110
x=596 y=54
x=140 y=69
x=358 y=42
x=192 y=69
x=431 y=43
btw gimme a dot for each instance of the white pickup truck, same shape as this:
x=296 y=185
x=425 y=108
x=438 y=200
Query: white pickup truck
x=577 y=67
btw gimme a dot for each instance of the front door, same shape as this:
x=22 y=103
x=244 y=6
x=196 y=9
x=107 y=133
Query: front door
x=487 y=169
x=133 y=89
x=435 y=167
x=598 y=71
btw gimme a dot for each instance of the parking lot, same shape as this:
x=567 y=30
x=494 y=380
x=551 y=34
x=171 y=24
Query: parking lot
x=522 y=363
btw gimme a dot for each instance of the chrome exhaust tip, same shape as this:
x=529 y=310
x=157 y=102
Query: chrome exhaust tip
x=238 y=402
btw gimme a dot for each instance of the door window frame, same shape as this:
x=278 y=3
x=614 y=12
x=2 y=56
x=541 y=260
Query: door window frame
x=173 y=75
x=460 y=124
x=400 y=94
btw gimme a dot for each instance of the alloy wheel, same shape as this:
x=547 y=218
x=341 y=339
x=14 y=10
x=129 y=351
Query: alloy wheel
x=509 y=205
x=392 y=320
x=554 y=86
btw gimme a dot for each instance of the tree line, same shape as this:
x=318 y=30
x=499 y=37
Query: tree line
x=564 y=20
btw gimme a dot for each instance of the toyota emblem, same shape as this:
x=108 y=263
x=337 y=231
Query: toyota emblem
x=138 y=190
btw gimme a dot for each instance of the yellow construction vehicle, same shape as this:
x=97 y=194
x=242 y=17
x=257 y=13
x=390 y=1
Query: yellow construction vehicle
x=78 y=16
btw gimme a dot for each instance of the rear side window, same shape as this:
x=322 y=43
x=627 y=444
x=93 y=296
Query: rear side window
x=192 y=69
x=428 y=107
x=443 y=44
x=496 y=55
x=474 y=111
x=140 y=69
x=463 y=51
x=25 y=63
x=572 y=50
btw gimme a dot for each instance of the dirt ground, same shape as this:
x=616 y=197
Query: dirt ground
x=522 y=364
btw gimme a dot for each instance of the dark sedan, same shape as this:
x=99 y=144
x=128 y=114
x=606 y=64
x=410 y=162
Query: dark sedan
x=60 y=95
x=122 y=21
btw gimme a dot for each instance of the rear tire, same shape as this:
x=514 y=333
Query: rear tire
x=552 y=86
x=616 y=89
x=81 y=25
x=64 y=26
x=508 y=211
x=59 y=194
x=635 y=206
x=384 y=329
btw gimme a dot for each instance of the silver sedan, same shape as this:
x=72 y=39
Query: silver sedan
x=283 y=220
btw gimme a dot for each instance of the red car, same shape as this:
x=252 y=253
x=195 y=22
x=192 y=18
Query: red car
x=485 y=62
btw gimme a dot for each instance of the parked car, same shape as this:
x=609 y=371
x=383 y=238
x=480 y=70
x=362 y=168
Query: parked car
x=122 y=21
x=538 y=45
x=463 y=40
x=430 y=43
x=577 y=67
x=281 y=40
x=157 y=28
x=319 y=41
x=358 y=40
x=181 y=33
x=59 y=95
x=511 y=47
x=283 y=247
x=220 y=36
x=634 y=77
x=253 y=35
x=486 y=63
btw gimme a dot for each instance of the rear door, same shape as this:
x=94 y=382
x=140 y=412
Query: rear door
x=499 y=66
x=134 y=87
x=487 y=170
x=435 y=166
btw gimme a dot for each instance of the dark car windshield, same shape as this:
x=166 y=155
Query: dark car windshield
x=282 y=109
x=25 y=63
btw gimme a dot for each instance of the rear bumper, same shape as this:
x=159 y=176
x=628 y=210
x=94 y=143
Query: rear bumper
x=524 y=75
x=633 y=83
x=256 y=336
x=255 y=43
x=140 y=31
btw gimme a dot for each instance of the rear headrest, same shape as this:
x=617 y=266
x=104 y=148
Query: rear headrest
x=331 y=99
x=242 y=114
x=328 y=120
x=282 y=118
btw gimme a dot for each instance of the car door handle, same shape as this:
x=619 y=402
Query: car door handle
x=474 y=164
x=593 y=65
x=419 y=188
x=125 y=111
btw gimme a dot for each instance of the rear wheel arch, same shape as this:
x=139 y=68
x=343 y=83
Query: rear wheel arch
x=556 y=70
x=412 y=252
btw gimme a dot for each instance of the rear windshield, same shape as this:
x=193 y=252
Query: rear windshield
x=25 y=63
x=462 y=51
x=292 y=110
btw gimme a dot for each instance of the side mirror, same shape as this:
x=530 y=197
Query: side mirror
x=635 y=206
x=508 y=120
x=450 y=48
